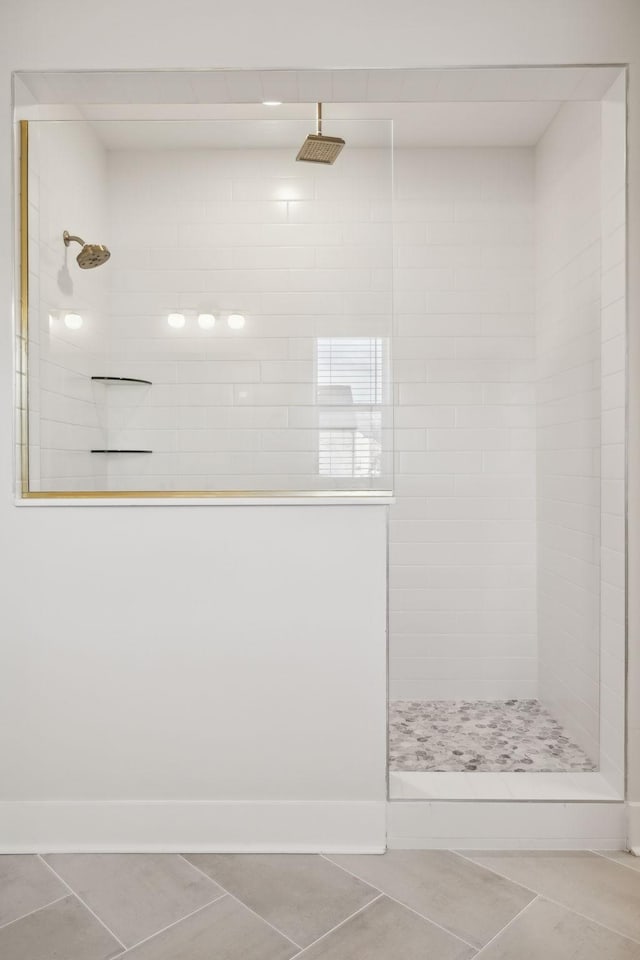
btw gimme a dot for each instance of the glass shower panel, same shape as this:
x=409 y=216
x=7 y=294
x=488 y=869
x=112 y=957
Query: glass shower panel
x=238 y=338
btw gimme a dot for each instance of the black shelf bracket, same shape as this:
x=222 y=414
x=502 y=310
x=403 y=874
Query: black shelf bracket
x=122 y=380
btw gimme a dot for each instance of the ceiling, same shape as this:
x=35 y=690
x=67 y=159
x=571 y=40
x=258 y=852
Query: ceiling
x=361 y=125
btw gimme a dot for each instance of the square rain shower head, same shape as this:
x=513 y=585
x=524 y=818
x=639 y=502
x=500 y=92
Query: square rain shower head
x=320 y=149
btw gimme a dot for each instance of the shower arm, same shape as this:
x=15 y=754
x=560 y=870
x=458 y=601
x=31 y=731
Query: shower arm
x=319 y=119
x=67 y=237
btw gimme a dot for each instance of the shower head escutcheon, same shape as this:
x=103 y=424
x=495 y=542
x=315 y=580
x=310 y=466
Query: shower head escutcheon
x=91 y=255
x=320 y=149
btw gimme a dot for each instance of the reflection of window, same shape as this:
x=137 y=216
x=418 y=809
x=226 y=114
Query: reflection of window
x=350 y=391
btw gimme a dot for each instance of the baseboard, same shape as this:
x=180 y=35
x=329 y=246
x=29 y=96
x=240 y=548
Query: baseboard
x=134 y=827
x=633 y=828
x=507 y=825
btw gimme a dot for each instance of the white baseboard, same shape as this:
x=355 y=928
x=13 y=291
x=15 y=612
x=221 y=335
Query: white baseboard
x=633 y=827
x=188 y=827
x=507 y=825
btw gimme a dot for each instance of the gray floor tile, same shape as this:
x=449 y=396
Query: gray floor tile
x=302 y=895
x=135 y=894
x=25 y=885
x=471 y=902
x=63 y=931
x=549 y=932
x=623 y=858
x=223 y=931
x=585 y=882
x=387 y=931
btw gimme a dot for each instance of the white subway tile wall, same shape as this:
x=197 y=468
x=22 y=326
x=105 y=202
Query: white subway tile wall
x=67 y=191
x=568 y=194
x=304 y=254
x=463 y=533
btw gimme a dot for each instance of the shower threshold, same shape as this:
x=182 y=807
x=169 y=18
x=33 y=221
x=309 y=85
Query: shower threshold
x=407 y=785
x=487 y=750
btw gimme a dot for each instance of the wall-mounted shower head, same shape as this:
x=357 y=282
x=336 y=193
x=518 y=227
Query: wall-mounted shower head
x=91 y=255
x=318 y=148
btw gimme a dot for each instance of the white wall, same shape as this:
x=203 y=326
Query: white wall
x=67 y=191
x=462 y=571
x=256 y=674
x=568 y=231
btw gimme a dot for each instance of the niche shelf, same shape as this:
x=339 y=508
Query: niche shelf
x=122 y=380
x=113 y=450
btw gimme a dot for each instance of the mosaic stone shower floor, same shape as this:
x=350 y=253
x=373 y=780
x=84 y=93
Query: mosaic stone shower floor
x=514 y=736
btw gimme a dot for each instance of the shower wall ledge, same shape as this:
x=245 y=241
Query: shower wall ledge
x=302 y=501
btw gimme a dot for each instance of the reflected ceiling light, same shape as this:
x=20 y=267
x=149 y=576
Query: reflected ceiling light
x=272 y=103
x=52 y=320
x=176 y=320
x=206 y=321
x=73 y=321
x=236 y=321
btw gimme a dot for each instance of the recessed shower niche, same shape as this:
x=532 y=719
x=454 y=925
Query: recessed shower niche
x=480 y=257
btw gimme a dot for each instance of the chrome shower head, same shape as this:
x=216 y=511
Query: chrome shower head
x=320 y=149
x=91 y=255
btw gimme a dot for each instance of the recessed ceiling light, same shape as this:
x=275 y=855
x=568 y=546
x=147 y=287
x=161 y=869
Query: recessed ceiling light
x=73 y=321
x=272 y=103
x=206 y=321
x=176 y=320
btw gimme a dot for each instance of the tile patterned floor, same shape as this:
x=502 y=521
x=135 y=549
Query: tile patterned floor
x=486 y=735
x=413 y=905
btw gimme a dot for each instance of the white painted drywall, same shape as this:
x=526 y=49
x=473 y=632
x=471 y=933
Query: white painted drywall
x=613 y=360
x=208 y=656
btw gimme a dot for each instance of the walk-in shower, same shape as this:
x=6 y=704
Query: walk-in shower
x=475 y=252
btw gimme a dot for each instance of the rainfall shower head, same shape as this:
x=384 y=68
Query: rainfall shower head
x=91 y=255
x=320 y=149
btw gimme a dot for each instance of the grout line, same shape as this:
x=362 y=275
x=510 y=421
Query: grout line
x=101 y=922
x=507 y=925
x=44 y=906
x=338 y=925
x=241 y=902
x=543 y=896
x=168 y=926
x=620 y=863
x=405 y=905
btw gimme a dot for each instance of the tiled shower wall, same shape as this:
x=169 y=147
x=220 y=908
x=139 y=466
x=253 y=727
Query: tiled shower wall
x=463 y=552
x=67 y=191
x=302 y=251
x=568 y=192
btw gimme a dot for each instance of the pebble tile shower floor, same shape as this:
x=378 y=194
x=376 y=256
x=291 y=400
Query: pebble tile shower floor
x=485 y=735
x=404 y=905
